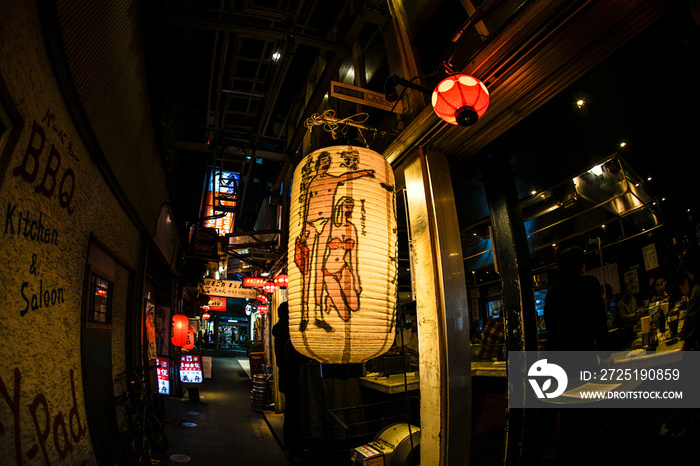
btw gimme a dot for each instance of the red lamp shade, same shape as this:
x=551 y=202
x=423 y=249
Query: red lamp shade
x=282 y=280
x=262 y=309
x=178 y=331
x=262 y=298
x=460 y=99
x=269 y=287
x=190 y=339
x=206 y=316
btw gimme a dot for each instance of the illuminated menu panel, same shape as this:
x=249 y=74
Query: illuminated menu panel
x=191 y=368
x=163 y=371
x=223 y=185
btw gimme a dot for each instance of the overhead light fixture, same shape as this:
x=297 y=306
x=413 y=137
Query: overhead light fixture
x=276 y=55
x=580 y=103
x=597 y=170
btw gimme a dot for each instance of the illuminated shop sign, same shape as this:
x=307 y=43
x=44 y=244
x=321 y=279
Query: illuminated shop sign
x=222 y=192
x=217 y=303
x=254 y=282
x=163 y=371
x=227 y=289
x=190 y=368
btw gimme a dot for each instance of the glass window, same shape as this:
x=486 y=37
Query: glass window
x=100 y=300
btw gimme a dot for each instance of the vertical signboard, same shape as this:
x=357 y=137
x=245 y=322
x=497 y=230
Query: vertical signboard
x=191 y=368
x=163 y=371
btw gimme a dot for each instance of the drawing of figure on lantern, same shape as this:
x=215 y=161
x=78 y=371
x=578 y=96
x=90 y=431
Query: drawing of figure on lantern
x=339 y=266
x=318 y=202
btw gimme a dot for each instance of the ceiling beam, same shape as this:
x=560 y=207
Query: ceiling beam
x=208 y=148
x=254 y=32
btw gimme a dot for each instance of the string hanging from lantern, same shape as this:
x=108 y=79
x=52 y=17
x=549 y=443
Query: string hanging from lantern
x=331 y=124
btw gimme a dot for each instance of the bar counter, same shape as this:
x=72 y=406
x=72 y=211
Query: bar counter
x=395 y=383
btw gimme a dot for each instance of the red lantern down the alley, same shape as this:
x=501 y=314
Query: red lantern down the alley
x=206 y=316
x=262 y=298
x=262 y=309
x=269 y=287
x=178 y=331
x=460 y=99
x=190 y=339
x=282 y=280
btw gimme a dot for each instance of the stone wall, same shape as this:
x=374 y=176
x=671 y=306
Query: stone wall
x=54 y=203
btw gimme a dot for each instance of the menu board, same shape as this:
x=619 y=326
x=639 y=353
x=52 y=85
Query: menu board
x=191 y=368
x=163 y=371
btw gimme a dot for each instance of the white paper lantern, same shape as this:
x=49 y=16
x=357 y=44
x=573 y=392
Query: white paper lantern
x=342 y=255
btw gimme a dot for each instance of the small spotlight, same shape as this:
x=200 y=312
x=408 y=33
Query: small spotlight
x=580 y=103
x=276 y=56
x=623 y=144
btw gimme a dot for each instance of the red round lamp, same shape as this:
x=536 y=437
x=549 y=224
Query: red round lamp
x=460 y=99
x=262 y=309
x=206 y=316
x=178 y=331
x=269 y=287
x=262 y=298
x=189 y=344
x=282 y=280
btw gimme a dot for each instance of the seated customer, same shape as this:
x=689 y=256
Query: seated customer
x=406 y=342
x=690 y=333
x=659 y=291
x=493 y=339
x=627 y=306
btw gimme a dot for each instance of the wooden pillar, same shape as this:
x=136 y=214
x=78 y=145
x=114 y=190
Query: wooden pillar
x=442 y=311
x=512 y=257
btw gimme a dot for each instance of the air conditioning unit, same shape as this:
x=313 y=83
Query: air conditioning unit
x=396 y=445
